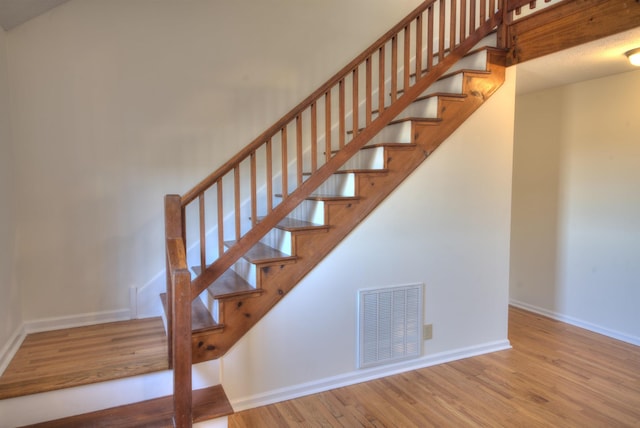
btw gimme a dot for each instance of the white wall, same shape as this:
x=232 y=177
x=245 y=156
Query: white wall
x=116 y=103
x=446 y=226
x=576 y=207
x=10 y=313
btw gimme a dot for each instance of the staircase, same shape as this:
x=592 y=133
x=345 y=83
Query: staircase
x=246 y=235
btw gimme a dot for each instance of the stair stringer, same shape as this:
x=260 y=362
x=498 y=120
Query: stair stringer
x=372 y=187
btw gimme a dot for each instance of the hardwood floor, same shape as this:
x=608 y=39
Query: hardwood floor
x=556 y=375
x=78 y=356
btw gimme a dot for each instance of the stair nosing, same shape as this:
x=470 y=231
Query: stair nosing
x=248 y=288
x=279 y=258
x=327 y=198
x=303 y=227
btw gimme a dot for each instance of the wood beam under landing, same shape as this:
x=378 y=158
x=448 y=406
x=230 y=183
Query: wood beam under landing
x=569 y=24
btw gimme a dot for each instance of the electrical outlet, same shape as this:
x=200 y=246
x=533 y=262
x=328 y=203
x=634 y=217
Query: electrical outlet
x=427 y=331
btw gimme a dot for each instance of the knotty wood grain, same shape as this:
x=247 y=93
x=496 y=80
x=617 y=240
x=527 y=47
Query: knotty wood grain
x=556 y=375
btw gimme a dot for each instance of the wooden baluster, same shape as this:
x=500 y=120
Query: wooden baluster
x=269 y=177
x=483 y=11
x=236 y=196
x=394 y=69
x=452 y=26
x=327 y=125
x=430 y=38
x=368 y=94
x=341 y=113
x=492 y=8
x=419 y=47
x=220 y=218
x=355 y=103
x=472 y=16
x=254 y=191
x=299 y=159
x=314 y=137
x=203 y=243
x=285 y=166
x=441 y=31
x=381 y=94
x=463 y=20
x=407 y=59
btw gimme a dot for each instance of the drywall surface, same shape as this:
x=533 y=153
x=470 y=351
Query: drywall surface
x=446 y=226
x=117 y=103
x=10 y=310
x=576 y=211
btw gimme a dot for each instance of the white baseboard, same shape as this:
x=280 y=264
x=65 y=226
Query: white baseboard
x=577 y=322
x=56 y=323
x=359 y=376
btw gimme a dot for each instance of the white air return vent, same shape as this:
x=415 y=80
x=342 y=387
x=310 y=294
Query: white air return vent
x=390 y=324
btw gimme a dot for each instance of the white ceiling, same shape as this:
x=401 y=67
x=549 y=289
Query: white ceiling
x=15 y=12
x=600 y=58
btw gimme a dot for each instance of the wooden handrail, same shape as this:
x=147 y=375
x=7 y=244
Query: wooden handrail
x=266 y=135
x=399 y=33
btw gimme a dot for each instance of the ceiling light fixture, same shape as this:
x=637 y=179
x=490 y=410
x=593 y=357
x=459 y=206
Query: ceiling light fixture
x=634 y=56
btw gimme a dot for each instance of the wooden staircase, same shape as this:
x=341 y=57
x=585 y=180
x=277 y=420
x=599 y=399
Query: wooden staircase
x=333 y=159
x=326 y=216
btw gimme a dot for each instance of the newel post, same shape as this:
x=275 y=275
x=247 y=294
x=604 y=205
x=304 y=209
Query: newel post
x=181 y=348
x=178 y=311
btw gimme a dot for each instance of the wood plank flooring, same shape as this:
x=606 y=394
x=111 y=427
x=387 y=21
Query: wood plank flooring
x=83 y=355
x=556 y=375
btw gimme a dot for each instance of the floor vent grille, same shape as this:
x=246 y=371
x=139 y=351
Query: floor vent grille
x=390 y=324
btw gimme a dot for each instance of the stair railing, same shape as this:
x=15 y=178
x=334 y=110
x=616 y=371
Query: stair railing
x=317 y=137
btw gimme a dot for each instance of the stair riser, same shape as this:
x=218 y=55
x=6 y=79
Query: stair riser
x=247 y=271
x=394 y=133
x=339 y=185
x=211 y=304
x=450 y=85
x=278 y=239
x=366 y=159
x=427 y=108
x=311 y=211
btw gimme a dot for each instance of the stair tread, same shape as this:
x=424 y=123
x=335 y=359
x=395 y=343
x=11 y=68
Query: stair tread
x=208 y=403
x=432 y=120
x=293 y=224
x=462 y=71
x=201 y=318
x=262 y=253
x=363 y=171
x=374 y=146
x=230 y=284
x=448 y=95
x=435 y=94
x=327 y=197
x=470 y=53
